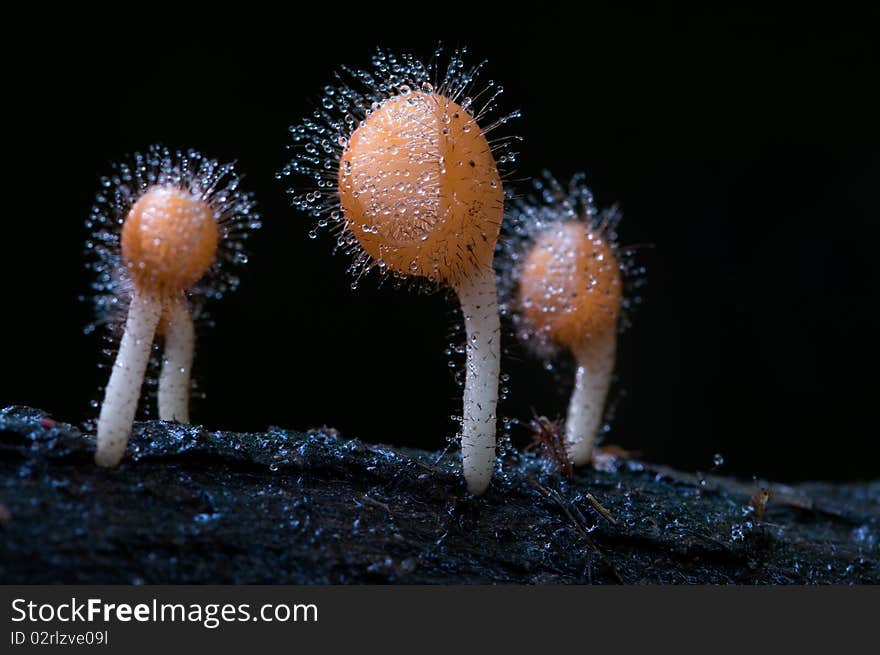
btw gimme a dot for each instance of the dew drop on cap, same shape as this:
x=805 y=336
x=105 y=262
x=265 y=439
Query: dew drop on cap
x=169 y=240
x=420 y=189
x=570 y=286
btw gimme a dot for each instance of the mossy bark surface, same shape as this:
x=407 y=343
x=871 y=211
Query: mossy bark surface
x=192 y=505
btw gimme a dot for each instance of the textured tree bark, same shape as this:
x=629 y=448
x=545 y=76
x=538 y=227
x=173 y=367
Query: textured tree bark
x=190 y=505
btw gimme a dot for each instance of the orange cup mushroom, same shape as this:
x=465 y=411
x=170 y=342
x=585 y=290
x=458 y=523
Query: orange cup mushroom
x=419 y=195
x=423 y=196
x=570 y=291
x=174 y=227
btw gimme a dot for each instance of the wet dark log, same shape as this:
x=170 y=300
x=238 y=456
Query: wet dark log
x=190 y=505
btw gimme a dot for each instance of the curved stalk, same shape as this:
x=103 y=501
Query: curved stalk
x=124 y=387
x=479 y=305
x=595 y=364
x=177 y=359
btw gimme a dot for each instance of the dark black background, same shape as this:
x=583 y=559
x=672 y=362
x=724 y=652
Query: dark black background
x=742 y=144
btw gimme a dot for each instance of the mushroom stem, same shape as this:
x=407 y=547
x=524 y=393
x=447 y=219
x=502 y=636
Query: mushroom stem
x=124 y=388
x=479 y=305
x=595 y=364
x=177 y=359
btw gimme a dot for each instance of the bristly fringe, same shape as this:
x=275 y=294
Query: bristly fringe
x=550 y=203
x=319 y=142
x=207 y=179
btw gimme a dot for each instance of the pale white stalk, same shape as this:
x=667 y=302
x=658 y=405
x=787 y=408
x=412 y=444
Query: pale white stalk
x=595 y=364
x=177 y=359
x=124 y=387
x=479 y=305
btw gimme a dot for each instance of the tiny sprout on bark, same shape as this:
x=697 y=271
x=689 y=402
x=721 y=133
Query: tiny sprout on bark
x=547 y=436
x=567 y=292
x=162 y=226
x=405 y=172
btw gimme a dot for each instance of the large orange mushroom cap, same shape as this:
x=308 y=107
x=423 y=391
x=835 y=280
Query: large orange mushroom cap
x=570 y=286
x=420 y=189
x=169 y=240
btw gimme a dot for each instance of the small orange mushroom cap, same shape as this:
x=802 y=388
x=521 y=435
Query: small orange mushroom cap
x=169 y=240
x=570 y=285
x=420 y=189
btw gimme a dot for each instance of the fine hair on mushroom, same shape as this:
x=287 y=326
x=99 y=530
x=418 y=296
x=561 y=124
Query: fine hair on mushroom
x=166 y=232
x=567 y=285
x=398 y=163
